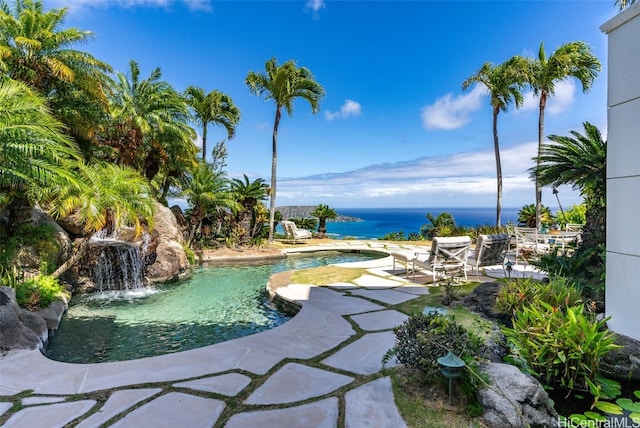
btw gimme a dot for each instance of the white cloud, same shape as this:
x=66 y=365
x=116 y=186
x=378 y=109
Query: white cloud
x=350 y=108
x=76 y=5
x=464 y=179
x=557 y=103
x=451 y=112
x=315 y=5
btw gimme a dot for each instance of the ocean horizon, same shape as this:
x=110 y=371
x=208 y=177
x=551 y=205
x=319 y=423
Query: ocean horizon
x=377 y=222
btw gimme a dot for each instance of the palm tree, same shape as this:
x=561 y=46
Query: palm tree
x=323 y=212
x=442 y=225
x=108 y=198
x=148 y=117
x=38 y=52
x=34 y=153
x=283 y=84
x=527 y=216
x=569 y=60
x=503 y=83
x=580 y=160
x=623 y=4
x=214 y=107
x=248 y=194
x=209 y=196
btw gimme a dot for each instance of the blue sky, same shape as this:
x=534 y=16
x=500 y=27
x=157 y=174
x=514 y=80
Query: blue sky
x=395 y=128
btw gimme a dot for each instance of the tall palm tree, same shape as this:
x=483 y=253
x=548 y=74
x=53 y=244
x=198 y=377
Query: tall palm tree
x=248 y=194
x=504 y=83
x=34 y=153
x=572 y=59
x=39 y=53
x=579 y=160
x=216 y=108
x=283 y=84
x=148 y=118
x=323 y=212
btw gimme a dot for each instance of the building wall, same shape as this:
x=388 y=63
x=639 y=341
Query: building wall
x=622 y=298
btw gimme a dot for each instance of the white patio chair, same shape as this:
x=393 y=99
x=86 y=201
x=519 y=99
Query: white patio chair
x=528 y=243
x=447 y=258
x=491 y=250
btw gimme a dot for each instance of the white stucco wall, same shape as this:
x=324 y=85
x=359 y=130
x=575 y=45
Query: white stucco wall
x=622 y=298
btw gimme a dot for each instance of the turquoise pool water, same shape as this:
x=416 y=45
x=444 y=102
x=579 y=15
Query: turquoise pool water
x=214 y=305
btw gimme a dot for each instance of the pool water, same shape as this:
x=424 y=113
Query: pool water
x=214 y=305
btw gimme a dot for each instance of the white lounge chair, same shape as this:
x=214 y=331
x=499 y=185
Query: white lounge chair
x=491 y=250
x=293 y=233
x=447 y=258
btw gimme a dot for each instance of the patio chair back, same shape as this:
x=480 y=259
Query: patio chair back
x=491 y=250
x=448 y=255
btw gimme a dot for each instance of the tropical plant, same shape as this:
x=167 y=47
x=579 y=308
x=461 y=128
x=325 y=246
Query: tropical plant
x=581 y=161
x=210 y=198
x=34 y=153
x=39 y=292
x=504 y=83
x=572 y=59
x=283 y=84
x=323 y=212
x=248 y=194
x=518 y=293
x=213 y=108
x=574 y=215
x=149 y=118
x=527 y=216
x=623 y=4
x=423 y=338
x=305 y=222
x=438 y=226
x=560 y=347
x=39 y=53
x=109 y=198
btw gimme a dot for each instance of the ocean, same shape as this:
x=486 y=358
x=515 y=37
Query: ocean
x=378 y=222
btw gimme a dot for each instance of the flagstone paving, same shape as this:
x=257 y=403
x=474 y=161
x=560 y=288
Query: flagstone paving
x=296 y=375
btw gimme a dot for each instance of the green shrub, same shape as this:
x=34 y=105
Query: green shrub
x=517 y=293
x=39 y=292
x=423 y=338
x=560 y=347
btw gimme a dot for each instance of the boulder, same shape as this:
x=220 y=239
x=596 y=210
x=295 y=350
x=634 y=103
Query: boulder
x=170 y=260
x=166 y=224
x=514 y=399
x=19 y=328
x=623 y=364
x=29 y=258
x=52 y=315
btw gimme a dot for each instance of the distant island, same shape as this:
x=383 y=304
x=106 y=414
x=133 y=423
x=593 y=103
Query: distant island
x=304 y=211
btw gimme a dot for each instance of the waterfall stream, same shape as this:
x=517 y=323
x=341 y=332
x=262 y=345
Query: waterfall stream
x=119 y=267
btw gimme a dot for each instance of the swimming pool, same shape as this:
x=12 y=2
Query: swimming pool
x=214 y=305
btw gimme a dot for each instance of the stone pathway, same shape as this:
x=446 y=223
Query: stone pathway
x=320 y=369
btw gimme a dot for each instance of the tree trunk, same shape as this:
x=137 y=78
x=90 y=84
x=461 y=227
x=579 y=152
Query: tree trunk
x=81 y=251
x=322 y=227
x=274 y=161
x=543 y=103
x=496 y=148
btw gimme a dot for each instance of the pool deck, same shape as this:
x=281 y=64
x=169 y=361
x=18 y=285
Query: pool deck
x=320 y=369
